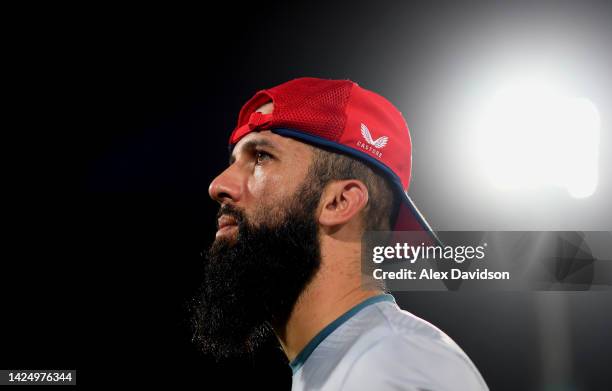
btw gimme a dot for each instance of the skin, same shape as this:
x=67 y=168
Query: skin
x=254 y=181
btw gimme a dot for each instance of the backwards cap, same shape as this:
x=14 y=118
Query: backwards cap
x=341 y=116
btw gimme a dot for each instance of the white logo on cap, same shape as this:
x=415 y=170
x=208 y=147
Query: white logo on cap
x=378 y=143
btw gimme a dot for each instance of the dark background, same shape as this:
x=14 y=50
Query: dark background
x=119 y=120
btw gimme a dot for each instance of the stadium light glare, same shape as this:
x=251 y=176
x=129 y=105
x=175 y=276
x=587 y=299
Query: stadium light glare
x=532 y=135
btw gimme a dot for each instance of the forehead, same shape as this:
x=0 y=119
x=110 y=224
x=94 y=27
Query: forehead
x=274 y=143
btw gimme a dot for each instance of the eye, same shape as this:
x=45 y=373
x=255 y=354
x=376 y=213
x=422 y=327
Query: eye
x=260 y=156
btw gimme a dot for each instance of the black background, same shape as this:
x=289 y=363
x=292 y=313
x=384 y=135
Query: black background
x=118 y=121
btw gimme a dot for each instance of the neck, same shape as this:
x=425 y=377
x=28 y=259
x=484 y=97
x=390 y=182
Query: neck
x=331 y=293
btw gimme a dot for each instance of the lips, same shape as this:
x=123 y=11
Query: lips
x=226 y=221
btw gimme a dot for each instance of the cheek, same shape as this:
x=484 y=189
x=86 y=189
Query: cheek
x=266 y=186
x=268 y=190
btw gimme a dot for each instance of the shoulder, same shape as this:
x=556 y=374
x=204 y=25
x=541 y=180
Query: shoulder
x=415 y=355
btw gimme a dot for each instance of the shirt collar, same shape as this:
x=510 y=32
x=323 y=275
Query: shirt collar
x=301 y=358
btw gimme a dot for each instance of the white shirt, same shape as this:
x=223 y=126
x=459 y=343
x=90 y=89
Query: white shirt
x=376 y=346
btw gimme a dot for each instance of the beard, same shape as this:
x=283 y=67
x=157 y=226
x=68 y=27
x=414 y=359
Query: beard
x=254 y=280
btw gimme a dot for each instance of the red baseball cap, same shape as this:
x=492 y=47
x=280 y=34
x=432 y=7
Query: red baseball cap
x=340 y=115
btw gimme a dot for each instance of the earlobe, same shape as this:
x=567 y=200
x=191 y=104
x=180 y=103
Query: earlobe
x=342 y=201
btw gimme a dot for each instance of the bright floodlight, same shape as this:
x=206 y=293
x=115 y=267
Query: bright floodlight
x=531 y=135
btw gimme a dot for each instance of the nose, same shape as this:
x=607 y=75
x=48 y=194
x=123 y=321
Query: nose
x=226 y=187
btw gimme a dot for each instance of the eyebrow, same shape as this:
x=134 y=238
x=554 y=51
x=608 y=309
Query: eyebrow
x=252 y=144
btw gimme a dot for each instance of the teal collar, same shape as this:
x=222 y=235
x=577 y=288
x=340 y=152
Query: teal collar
x=301 y=358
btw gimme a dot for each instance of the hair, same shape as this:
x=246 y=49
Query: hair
x=381 y=210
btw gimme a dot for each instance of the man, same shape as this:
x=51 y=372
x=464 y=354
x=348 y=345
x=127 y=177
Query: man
x=315 y=163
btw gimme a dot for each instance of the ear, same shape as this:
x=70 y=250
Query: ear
x=341 y=201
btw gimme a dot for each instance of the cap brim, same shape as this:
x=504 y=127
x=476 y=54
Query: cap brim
x=410 y=219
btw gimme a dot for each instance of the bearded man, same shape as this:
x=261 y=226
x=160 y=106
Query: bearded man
x=314 y=164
